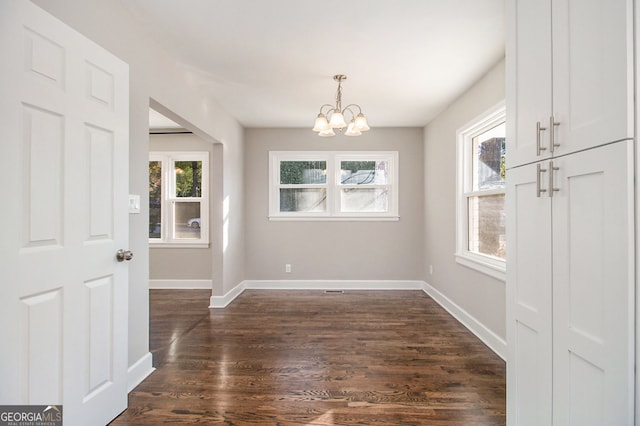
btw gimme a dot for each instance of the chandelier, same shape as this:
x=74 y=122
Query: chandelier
x=332 y=117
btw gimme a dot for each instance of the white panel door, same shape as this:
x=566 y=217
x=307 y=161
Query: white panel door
x=593 y=232
x=528 y=79
x=592 y=73
x=529 y=304
x=64 y=150
x=593 y=281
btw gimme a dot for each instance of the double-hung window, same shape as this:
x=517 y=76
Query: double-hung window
x=326 y=185
x=481 y=194
x=178 y=198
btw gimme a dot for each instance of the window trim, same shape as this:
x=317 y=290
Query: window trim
x=485 y=264
x=333 y=186
x=168 y=159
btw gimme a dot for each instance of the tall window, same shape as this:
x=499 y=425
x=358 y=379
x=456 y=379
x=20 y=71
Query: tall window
x=178 y=198
x=481 y=194
x=333 y=185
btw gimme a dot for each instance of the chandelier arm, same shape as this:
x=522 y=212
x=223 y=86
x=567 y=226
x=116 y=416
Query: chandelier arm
x=348 y=108
x=331 y=109
x=353 y=105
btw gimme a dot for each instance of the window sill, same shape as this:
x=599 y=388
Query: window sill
x=167 y=245
x=334 y=218
x=495 y=269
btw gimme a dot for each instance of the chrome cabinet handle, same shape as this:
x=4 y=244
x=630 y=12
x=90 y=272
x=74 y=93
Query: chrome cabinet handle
x=539 y=189
x=123 y=255
x=552 y=169
x=552 y=135
x=539 y=146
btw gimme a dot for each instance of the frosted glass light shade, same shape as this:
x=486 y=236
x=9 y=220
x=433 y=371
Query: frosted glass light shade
x=361 y=123
x=337 y=121
x=327 y=133
x=352 y=130
x=321 y=123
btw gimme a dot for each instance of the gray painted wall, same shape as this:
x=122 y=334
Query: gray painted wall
x=334 y=250
x=480 y=295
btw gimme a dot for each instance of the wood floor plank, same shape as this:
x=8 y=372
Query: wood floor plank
x=314 y=358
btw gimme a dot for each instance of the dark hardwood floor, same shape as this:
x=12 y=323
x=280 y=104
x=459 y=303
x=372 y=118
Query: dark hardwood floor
x=314 y=358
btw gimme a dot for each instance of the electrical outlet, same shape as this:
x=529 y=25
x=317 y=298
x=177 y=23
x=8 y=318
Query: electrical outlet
x=430 y=269
x=287 y=267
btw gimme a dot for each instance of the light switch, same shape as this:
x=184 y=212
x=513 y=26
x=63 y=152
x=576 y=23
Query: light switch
x=134 y=203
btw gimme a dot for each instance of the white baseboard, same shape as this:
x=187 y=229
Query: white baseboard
x=180 y=284
x=223 y=301
x=488 y=337
x=492 y=340
x=216 y=302
x=139 y=371
x=333 y=285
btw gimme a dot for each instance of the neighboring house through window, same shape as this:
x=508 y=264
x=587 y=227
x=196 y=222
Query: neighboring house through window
x=326 y=185
x=481 y=152
x=178 y=199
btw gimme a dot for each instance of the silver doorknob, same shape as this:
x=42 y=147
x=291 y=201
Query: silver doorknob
x=123 y=255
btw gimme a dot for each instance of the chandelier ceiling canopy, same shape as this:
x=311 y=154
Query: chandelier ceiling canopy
x=333 y=117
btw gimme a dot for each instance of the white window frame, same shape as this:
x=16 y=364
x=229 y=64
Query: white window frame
x=333 y=185
x=489 y=265
x=168 y=200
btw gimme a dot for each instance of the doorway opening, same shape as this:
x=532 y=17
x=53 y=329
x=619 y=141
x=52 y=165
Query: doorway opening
x=185 y=204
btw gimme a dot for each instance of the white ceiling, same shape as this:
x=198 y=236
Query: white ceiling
x=271 y=62
x=159 y=121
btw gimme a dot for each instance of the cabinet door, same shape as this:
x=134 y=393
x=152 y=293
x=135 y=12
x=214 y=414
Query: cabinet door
x=529 y=363
x=593 y=287
x=528 y=75
x=592 y=73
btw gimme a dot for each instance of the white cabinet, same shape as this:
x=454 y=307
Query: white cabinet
x=571 y=266
x=593 y=287
x=571 y=289
x=569 y=76
x=528 y=79
x=529 y=299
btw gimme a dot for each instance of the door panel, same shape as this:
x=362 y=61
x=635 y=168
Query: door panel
x=64 y=295
x=529 y=373
x=592 y=73
x=528 y=78
x=44 y=58
x=43 y=150
x=99 y=320
x=42 y=346
x=594 y=287
x=99 y=146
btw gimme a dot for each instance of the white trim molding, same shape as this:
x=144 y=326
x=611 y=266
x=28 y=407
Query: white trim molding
x=330 y=181
x=167 y=194
x=488 y=337
x=486 y=264
x=483 y=264
x=219 y=302
x=139 y=371
x=180 y=284
x=333 y=285
x=223 y=301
